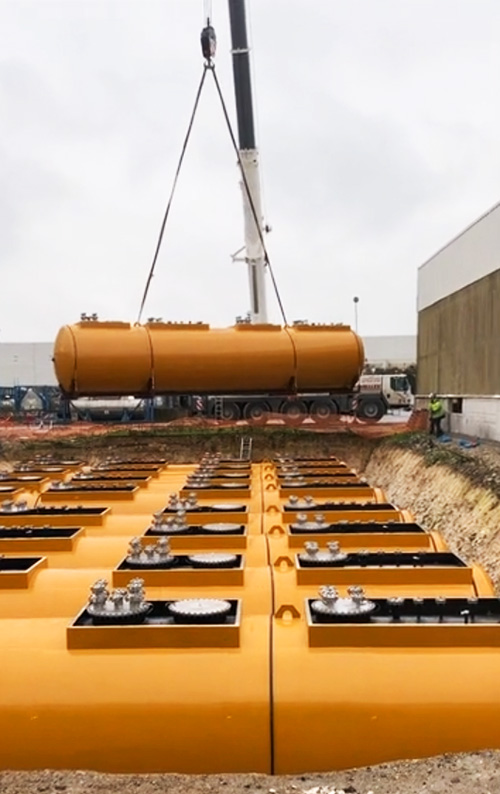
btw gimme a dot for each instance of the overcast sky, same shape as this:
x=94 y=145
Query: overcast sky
x=378 y=123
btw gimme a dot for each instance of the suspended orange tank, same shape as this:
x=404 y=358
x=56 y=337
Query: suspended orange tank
x=115 y=358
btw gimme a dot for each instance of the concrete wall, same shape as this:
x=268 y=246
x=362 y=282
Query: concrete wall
x=479 y=417
x=459 y=341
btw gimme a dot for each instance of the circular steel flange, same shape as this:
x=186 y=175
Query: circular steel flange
x=199 y=610
x=213 y=560
x=221 y=527
x=228 y=506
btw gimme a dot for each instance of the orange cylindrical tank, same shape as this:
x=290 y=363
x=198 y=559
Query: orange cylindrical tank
x=97 y=358
x=103 y=358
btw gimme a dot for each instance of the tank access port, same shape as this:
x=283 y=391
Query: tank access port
x=177 y=525
x=344 y=475
x=216 y=470
x=332 y=482
x=383 y=568
x=201 y=480
x=354 y=527
x=313 y=556
x=358 y=621
x=124 y=618
x=120 y=477
x=90 y=488
x=312 y=467
x=176 y=503
x=158 y=555
x=160 y=568
x=357 y=506
x=208 y=485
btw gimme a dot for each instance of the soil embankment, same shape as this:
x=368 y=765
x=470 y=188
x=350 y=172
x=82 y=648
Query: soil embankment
x=187 y=445
x=447 y=489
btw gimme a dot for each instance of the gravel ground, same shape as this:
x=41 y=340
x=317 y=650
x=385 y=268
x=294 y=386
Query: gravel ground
x=473 y=773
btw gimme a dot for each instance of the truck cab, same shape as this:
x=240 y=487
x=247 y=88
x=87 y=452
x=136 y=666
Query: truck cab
x=377 y=394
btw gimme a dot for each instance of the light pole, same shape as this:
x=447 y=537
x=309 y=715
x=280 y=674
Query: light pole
x=355 y=301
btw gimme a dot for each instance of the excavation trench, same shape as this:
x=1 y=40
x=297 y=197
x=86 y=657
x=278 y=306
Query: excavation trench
x=448 y=489
x=454 y=491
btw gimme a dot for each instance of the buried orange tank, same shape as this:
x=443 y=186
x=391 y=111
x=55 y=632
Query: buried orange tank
x=117 y=358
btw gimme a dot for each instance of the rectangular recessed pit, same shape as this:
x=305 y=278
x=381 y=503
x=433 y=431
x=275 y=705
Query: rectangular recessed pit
x=106 y=492
x=347 y=512
x=216 y=492
x=386 y=568
x=195 y=537
x=182 y=573
x=426 y=622
x=369 y=535
x=159 y=630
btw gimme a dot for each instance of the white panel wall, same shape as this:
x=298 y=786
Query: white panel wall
x=26 y=364
x=396 y=350
x=472 y=255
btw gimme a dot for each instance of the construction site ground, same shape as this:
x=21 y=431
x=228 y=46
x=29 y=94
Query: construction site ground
x=468 y=773
x=448 y=487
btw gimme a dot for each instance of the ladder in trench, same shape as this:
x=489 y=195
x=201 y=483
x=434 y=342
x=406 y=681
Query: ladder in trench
x=219 y=408
x=246 y=444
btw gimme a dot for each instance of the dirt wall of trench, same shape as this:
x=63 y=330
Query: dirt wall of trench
x=466 y=513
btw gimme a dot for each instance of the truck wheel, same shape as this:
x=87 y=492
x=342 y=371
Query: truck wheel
x=230 y=411
x=371 y=409
x=295 y=409
x=255 y=411
x=323 y=409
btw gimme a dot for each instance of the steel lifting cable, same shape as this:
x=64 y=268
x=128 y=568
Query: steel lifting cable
x=169 y=204
x=249 y=196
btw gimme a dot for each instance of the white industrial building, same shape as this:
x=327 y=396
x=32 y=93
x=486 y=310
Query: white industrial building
x=26 y=364
x=391 y=351
x=458 y=352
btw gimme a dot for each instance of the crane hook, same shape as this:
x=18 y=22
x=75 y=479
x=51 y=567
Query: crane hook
x=208 y=42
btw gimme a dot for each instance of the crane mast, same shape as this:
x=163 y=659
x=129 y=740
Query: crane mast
x=249 y=156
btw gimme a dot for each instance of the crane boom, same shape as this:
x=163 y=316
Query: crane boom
x=254 y=252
